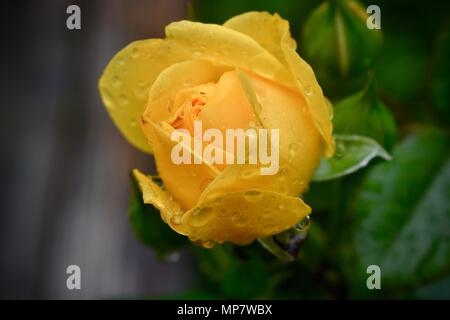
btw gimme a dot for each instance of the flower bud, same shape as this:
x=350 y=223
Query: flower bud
x=337 y=42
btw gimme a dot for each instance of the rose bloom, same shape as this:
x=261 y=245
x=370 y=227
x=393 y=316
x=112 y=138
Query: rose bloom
x=243 y=74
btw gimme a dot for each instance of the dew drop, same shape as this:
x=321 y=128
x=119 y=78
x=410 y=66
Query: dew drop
x=123 y=100
x=340 y=150
x=252 y=195
x=293 y=150
x=304 y=224
x=199 y=217
x=175 y=220
x=135 y=53
x=308 y=90
x=187 y=83
x=208 y=244
x=247 y=174
x=115 y=81
x=239 y=219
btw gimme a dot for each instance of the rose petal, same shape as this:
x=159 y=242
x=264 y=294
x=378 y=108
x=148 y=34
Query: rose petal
x=272 y=33
x=242 y=217
x=223 y=46
x=185 y=182
x=170 y=210
x=171 y=81
x=125 y=83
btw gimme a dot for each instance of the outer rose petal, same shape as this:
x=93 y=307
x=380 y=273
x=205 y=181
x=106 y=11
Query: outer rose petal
x=170 y=210
x=223 y=46
x=242 y=217
x=300 y=143
x=126 y=80
x=227 y=106
x=185 y=182
x=272 y=33
x=175 y=78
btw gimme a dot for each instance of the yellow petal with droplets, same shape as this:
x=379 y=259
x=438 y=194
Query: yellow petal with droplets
x=272 y=33
x=185 y=182
x=227 y=106
x=299 y=145
x=170 y=210
x=266 y=29
x=223 y=46
x=242 y=217
x=180 y=76
x=126 y=81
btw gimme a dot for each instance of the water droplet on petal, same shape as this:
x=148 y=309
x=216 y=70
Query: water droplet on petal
x=308 y=90
x=252 y=195
x=123 y=100
x=175 y=220
x=208 y=244
x=135 y=53
x=115 y=81
x=293 y=150
x=239 y=219
x=199 y=217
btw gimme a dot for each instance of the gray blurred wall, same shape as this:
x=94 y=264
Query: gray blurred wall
x=64 y=166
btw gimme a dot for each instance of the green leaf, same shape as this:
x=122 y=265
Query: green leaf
x=440 y=82
x=403 y=213
x=352 y=153
x=149 y=228
x=364 y=114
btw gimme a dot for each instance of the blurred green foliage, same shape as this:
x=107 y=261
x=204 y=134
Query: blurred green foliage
x=394 y=88
x=403 y=213
x=365 y=114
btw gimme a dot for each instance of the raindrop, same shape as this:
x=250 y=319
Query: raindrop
x=308 y=90
x=293 y=150
x=208 y=244
x=239 y=219
x=175 y=220
x=340 y=150
x=252 y=195
x=249 y=173
x=123 y=100
x=187 y=82
x=199 y=217
x=115 y=81
x=303 y=225
x=135 y=52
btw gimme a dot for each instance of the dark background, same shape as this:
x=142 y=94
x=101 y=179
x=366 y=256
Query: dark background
x=64 y=166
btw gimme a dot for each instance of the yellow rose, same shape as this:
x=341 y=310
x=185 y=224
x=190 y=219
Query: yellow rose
x=245 y=73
